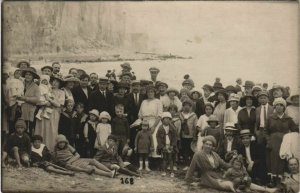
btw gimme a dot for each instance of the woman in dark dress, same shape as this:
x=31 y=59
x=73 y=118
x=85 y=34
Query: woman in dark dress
x=247 y=116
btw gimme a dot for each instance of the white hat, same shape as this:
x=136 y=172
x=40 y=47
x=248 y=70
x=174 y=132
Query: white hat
x=94 y=112
x=234 y=97
x=166 y=115
x=279 y=100
x=289 y=99
x=44 y=77
x=230 y=126
x=104 y=115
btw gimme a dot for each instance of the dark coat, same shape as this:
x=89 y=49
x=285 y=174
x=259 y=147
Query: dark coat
x=121 y=100
x=223 y=146
x=199 y=107
x=22 y=143
x=108 y=156
x=144 y=142
x=133 y=108
x=161 y=138
x=46 y=156
x=257 y=153
x=80 y=97
x=95 y=88
x=259 y=133
x=101 y=103
x=120 y=127
x=245 y=121
x=66 y=127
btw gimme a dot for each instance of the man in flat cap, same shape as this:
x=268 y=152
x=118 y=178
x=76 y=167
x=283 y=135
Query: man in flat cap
x=154 y=72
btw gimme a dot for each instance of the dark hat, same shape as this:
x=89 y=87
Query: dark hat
x=231 y=88
x=245 y=132
x=223 y=92
x=208 y=87
x=154 y=70
x=126 y=74
x=263 y=93
x=57 y=77
x=146 y=82
x=126 y=65
x=249 y=83
x=150 y=87
x=49 y=67
x=112 y=137
x=122 y=85
x=187 y=101
x=23 y=61
x=244 y=98
x=188 y=80
x=32 y=71
x=217 y=86
x=20 y=123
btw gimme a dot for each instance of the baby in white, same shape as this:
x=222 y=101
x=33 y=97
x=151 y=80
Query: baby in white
x=45 y=89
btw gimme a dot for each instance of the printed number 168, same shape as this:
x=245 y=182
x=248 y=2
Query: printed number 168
x=127 y=181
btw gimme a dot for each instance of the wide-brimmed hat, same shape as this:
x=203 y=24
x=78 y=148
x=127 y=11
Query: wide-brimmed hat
x=263 y=93
x=187 y=101
x=172 y=90
x=70 y=78
x=234 y=97
x=57 y=77
x=195 y=91
x=230 y=126
x=231 y=88
x=32 y=71
x=218 y=86
x=249 y=83
x=276 y=86
x=256 y=88
x=212 y=118
x=23 y=61
x=222 y=91
x=189 y=82
x=94 y=112
x=210 y=138
x=154 y=70
x=244 y=98
x=290 y=98
x=49 y=67
x=279 y=100
x=166 y=115
x=61 y=138
x=126 y=65
x=245 y=132
x=123 y=85
x=104 y=115
x=208 y=87
x=159 y=83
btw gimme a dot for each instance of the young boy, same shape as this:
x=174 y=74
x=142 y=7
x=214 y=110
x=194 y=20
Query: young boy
x=188 y=128
x=18 y=145
x=120 y=128
x=167 y=142
x=41 y=157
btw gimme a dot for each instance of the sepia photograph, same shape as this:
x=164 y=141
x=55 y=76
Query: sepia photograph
x=150 y=96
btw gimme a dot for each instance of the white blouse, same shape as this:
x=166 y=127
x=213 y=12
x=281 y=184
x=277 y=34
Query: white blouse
x=151 y=108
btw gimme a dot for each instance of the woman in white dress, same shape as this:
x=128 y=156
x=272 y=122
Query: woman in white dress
x=151 y=110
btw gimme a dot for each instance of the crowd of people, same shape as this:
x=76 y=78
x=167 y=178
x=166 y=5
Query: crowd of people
x=237 y=138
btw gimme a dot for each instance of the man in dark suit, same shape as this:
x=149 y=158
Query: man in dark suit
x=108 y=156
x=254 y=155
x=263 y=114
x=230 y=142
x=82 y=92
x=101 y=99
x=135 y=99
x=93 y=82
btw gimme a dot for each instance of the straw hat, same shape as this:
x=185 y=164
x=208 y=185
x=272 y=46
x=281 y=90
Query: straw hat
x=263 y=93
x=135 y=82
x=159 y=83
x=32 y=71
x=245 y=132
x=166 y=115
x=279 y=100
x=234 y=97
x=173 y=90
x=290 y=98
x=23 y=61
x=49 y=67
x=212 y=118
x=230 y=126
x=104 y=115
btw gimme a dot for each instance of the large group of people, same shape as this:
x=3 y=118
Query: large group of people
x=237 y=138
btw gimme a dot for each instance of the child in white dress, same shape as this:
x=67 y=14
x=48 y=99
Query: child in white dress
x=45 y=89
x=103 y=129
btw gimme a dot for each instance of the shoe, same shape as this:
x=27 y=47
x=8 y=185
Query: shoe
x=185 y=168
x=175 y=168
x=38 y=116
x=172 y=175
x=46 y=116
x=140 y=168
x=147 y=169
x=164 y=174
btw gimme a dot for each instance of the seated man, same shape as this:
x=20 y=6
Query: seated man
x=291 y=179
x=108 y=156
x=18 y=145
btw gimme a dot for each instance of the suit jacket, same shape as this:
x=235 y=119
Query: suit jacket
x=161 y=138
x=258 y=111
x=133 y=108
x=245 y=121
x=107 y=155
x=80 y=97
x=200 y=109
x=223 y=146
x=95 y=88
x=101 y=103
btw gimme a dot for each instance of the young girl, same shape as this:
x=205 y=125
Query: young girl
x=45 y=89
x=66 y=156
x=41 y=157
x=238 y=175
x=202 y=123
x=89 y=132
x=144 y=145
x=167 y=142
x=103 y=129
x=176 y=122
x=66 y=122
x=215 y=130
x=80 y=118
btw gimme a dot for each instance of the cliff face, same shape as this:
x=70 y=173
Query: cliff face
x=58 y=27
